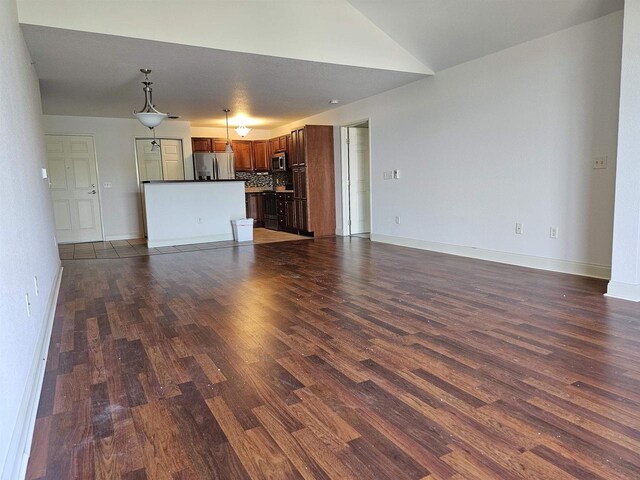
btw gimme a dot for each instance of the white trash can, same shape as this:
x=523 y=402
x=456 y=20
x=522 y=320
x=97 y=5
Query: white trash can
x=242 y=229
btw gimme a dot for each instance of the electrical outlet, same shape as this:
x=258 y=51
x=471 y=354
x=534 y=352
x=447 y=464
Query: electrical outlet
x=397 y=219
x=396 y=174
x=518 y=229
x=26 y=297
x=553 y=232
x=600 y=162
x=387 y=175
x=35 y=284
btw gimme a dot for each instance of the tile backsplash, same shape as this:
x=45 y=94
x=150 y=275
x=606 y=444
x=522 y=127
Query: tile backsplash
x=269 y=180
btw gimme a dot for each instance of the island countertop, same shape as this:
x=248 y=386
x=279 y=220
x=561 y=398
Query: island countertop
x=194 y=181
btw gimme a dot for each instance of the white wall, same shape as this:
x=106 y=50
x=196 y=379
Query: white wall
x=115 y=151
x=625 y=275
x=503 y=139
x=27 y=246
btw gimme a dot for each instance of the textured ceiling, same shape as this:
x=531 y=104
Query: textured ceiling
x=91 y=74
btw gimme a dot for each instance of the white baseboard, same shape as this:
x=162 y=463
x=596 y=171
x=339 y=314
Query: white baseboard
x=623 y=291
x=170 y=242
x=530 y=261
x=124 y=236
x=15 y=466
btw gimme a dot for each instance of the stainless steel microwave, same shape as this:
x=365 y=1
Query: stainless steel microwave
x=279 y=162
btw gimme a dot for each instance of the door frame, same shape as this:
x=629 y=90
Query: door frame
x=344 y=177
x=98 y=184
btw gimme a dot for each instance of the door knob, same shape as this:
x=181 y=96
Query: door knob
x=92 y=192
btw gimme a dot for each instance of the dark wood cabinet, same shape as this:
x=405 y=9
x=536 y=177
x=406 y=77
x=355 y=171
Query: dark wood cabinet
x=311 y=155
x=255 y=208
x=286 y=207
x=201 y=145
x=208 y=145
x=219 y=145
x=243 y=155
x=261 y=158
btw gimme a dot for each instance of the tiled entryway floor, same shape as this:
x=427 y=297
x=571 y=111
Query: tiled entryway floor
x=138 y=247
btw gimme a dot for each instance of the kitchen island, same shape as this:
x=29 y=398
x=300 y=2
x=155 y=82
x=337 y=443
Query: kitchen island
x=186 y=212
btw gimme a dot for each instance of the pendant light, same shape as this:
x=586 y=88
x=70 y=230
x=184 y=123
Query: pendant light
x=155 y=146
x=242 y=131
x=149 y=116
x=228 y=148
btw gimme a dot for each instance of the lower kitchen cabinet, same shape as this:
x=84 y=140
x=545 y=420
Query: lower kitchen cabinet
x=286 y=212
x=255 y=208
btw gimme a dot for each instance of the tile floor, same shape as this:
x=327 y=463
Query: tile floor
x=138 y=247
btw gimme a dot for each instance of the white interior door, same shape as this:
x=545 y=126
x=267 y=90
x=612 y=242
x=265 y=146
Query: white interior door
x=73 y=181
x=149 y=163
x=172 y=164
x=359 y=201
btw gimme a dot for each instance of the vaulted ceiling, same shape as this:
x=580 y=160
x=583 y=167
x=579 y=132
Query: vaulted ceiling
x=272 y=62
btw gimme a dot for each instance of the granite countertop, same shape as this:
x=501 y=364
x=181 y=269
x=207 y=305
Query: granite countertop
x=192 y=181
x=264 y=189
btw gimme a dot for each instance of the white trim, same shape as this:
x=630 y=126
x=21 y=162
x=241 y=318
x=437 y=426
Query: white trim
x=20 y=444
x=124 y=236
x=530 y=261
x=221 y=237
x=623 y=291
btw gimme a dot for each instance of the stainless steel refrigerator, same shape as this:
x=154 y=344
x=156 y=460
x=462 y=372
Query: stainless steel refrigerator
x=213 y=166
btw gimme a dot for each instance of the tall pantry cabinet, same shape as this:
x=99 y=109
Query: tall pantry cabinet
x=311 y=163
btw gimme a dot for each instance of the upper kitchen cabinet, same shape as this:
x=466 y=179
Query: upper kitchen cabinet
x=219 y=145
x=261 y=157
x=208 y=145
x=297 y=147
x=243 y=155
x=311 y=154
x=202 y=145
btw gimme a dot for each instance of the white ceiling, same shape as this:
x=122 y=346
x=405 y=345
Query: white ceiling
x=444 y=33
x=88 y=74
x=261 y=63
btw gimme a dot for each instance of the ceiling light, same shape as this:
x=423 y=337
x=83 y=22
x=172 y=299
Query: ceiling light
x=149 y=116
x=334 y=101
x=242 y=130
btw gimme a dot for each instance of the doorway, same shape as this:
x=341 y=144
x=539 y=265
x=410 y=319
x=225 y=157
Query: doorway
x=73 y=180
x=356 y=179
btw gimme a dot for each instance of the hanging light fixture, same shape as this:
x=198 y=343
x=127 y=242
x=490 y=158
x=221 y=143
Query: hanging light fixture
x=155 y=146
x=149 y=116
x=228 y=148
x=242 y=131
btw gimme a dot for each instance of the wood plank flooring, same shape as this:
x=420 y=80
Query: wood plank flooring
x=336 y=359
x=138 y=247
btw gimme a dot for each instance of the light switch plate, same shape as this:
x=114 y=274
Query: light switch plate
x=107 y=184
x=388 y=175
x=44 y=173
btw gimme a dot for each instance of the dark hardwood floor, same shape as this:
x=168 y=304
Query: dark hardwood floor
x=336 y=359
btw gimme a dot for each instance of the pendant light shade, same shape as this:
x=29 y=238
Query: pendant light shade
x=242 y=130
x=149 y=116
x=150 y=119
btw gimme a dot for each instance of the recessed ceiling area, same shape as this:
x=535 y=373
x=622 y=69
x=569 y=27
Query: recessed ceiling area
x=89 y=74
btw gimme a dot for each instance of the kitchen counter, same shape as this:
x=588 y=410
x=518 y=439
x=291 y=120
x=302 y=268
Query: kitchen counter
x=193 y=181
x=185 y=212
x=264 y=190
